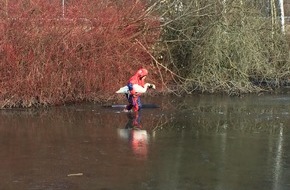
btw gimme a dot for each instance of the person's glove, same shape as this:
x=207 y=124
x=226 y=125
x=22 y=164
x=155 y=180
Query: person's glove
x=134 y=93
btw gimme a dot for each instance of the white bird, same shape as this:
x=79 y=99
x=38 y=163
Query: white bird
x=136 y=87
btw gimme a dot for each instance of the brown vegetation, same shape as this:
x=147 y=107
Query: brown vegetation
x=230 y=47
x=48 y=57
x=53 y=54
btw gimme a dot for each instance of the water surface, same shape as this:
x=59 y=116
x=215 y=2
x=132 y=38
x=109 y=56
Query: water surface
x=194 y=142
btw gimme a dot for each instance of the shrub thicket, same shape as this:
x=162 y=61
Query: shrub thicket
x=84 y=52
x=222 y=46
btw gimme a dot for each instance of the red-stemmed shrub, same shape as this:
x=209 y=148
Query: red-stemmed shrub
x=84 y=52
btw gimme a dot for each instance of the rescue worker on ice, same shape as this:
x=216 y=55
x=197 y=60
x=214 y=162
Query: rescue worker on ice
x=134 y=97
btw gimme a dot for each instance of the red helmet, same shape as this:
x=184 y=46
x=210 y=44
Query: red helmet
x=142 y=72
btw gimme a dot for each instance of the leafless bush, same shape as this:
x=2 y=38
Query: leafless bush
x=48 y=58
x=221 y=46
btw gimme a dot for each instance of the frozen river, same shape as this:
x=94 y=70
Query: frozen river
x=196 y=142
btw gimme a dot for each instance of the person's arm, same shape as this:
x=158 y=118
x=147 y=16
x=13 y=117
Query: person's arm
x=139 y=89
x=131 y=89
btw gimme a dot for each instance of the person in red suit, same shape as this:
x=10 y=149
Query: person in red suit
x=133 y=97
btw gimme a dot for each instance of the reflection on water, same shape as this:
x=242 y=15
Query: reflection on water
x=195 y=142
x=278 y=167
x=135 y=135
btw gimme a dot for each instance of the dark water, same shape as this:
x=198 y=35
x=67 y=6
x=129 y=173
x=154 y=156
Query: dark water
x=197 y=142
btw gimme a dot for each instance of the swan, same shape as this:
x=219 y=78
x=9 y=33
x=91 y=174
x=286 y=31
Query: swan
x=138 y=88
